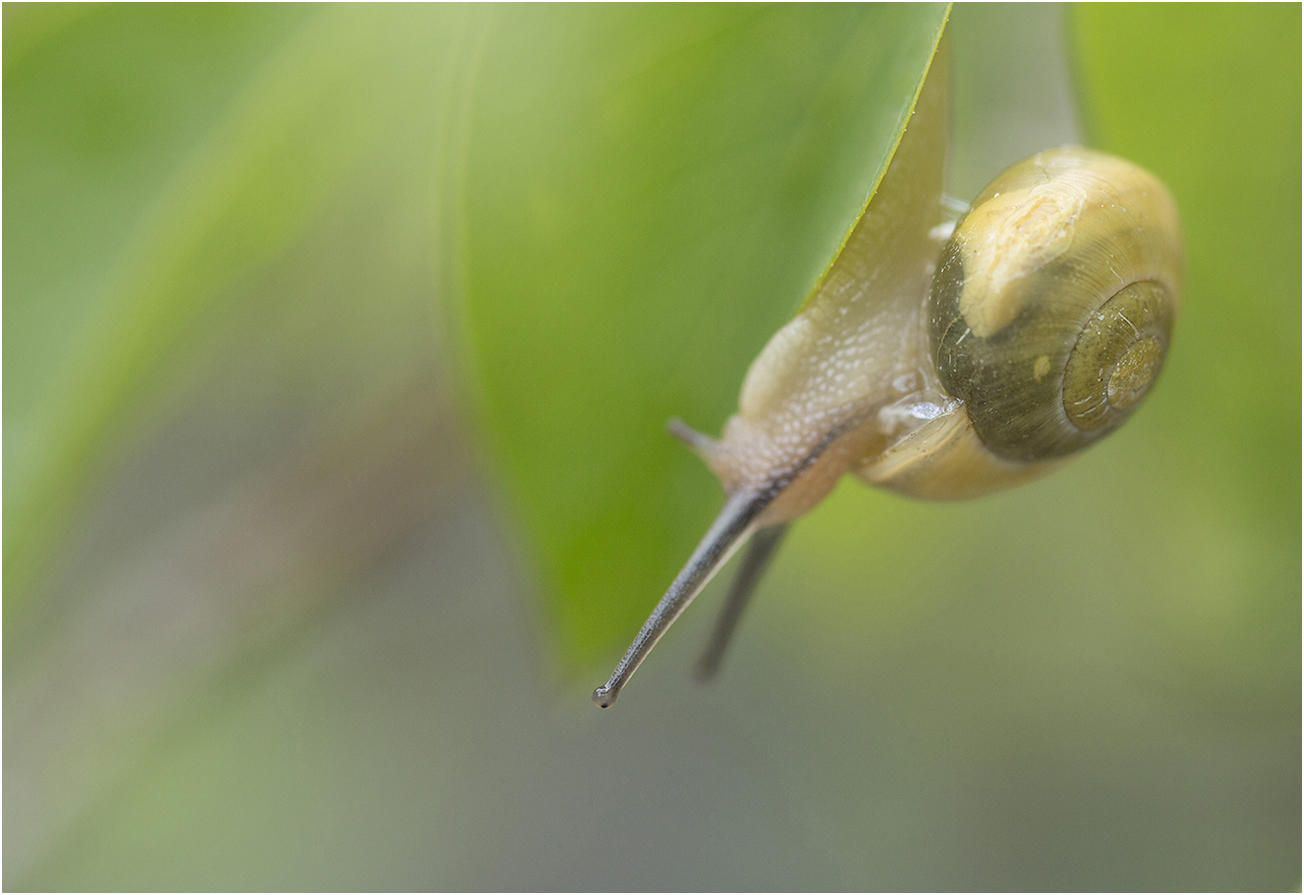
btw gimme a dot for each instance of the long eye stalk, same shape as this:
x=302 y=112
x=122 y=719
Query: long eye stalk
x=760 y=551
x=727 y=533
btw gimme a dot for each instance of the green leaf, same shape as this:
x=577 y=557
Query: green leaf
x=650 y=192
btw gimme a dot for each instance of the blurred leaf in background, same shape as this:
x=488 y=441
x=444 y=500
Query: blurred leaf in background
x=224 y=395
x=162 y=209
x=262 y=631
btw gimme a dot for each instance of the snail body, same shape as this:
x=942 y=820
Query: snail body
x=944 y=370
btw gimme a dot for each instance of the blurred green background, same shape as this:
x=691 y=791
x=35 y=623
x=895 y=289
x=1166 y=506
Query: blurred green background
x=338 y=345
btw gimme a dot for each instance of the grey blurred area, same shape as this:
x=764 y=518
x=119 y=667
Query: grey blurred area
x=1012 y=89
x=259 y=491
x=291 y=646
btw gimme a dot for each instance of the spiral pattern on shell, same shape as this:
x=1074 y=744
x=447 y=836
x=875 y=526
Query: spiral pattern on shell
x=1054 y=301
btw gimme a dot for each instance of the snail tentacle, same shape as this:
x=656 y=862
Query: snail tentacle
x=763 y=546
x=737 y=520
x=727 y=533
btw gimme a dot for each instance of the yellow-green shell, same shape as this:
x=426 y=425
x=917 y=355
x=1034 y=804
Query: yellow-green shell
x=1054 y=301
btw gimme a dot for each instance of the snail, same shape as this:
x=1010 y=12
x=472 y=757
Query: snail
x=942 y=365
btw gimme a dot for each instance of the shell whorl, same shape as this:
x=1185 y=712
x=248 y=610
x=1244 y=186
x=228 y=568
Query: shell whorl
x=1054 y=301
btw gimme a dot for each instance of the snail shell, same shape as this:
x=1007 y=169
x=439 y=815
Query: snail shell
x=1048 y=320
x=1052 y=308
x=944 y=371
